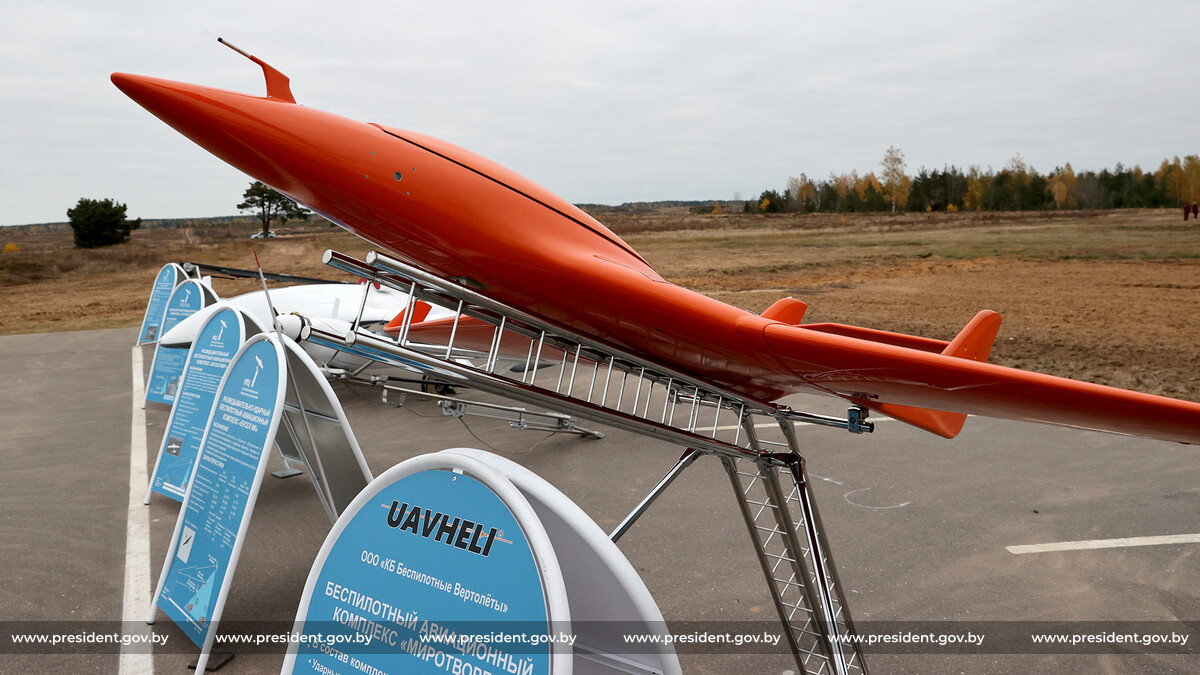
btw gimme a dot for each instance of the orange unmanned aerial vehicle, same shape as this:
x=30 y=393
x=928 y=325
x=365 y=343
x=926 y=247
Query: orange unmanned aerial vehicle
x=464 y=218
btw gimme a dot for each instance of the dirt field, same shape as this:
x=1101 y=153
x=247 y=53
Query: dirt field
x=1110 y=297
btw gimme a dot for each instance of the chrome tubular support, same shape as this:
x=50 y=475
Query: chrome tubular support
x=684 y=462
x=771 y=488
x=806 y=594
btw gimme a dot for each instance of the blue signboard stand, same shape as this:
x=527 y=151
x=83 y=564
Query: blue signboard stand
x=210 y=354
x=188 y=298
x=440 y=545
x=168 y=278
x=607 y=597
x=212 y=524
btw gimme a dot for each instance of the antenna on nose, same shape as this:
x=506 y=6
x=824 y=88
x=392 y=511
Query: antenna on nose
x=278 y=85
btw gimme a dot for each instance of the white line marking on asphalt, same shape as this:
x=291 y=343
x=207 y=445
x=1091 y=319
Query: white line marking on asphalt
x=866 y=506
x=1106 y=543
x=137 y=660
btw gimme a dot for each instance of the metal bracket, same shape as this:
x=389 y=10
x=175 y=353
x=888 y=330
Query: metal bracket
x=856 y=421
x=517 y=418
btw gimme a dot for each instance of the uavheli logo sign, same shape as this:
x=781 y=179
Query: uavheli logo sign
x=457 y=532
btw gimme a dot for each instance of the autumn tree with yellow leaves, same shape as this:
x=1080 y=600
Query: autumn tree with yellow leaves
x=895 y=181
x=1062 y=187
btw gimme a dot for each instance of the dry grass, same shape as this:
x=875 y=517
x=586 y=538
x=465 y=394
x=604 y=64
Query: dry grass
x=1112 y=297
x=1109 y=297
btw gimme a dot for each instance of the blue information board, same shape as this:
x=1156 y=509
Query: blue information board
x=216 y=509
x=164 y=284
x=429 y=572
x=207 y=360
x=187 y=298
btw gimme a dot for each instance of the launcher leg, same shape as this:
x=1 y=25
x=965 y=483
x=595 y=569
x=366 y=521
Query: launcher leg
x=788 y=537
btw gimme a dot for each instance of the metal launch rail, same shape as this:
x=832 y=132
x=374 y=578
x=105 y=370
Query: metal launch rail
x=612 y=386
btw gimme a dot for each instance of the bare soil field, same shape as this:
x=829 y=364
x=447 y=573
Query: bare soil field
x=1110 y=297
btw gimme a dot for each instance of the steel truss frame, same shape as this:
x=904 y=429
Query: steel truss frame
x=609 y=385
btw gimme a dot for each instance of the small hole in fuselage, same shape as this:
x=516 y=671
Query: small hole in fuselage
x=398 y=175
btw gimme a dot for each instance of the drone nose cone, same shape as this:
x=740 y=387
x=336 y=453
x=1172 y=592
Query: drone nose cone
x=126 y=83
x=132 y=85
x=186 y=107
x=238 y=128
x=156 y=95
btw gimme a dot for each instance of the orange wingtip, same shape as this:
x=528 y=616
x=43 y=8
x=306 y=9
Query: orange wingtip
x=787 y=310
x=420 y=311
x=940 y=422
x=976 y=338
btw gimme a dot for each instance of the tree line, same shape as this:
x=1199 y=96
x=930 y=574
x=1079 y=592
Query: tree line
x=1016 y=187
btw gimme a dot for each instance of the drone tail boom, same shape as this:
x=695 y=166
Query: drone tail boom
x=935 y=391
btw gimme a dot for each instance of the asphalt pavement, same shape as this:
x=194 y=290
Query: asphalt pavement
x=919 y=526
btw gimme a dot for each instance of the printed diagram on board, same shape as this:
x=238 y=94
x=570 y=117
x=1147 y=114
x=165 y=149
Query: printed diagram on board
x=195 y=583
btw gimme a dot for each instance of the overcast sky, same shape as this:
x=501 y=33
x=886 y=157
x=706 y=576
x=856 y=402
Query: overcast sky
x=605 y=101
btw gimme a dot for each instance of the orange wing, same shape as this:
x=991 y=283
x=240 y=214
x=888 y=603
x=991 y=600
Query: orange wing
x=935 y=391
